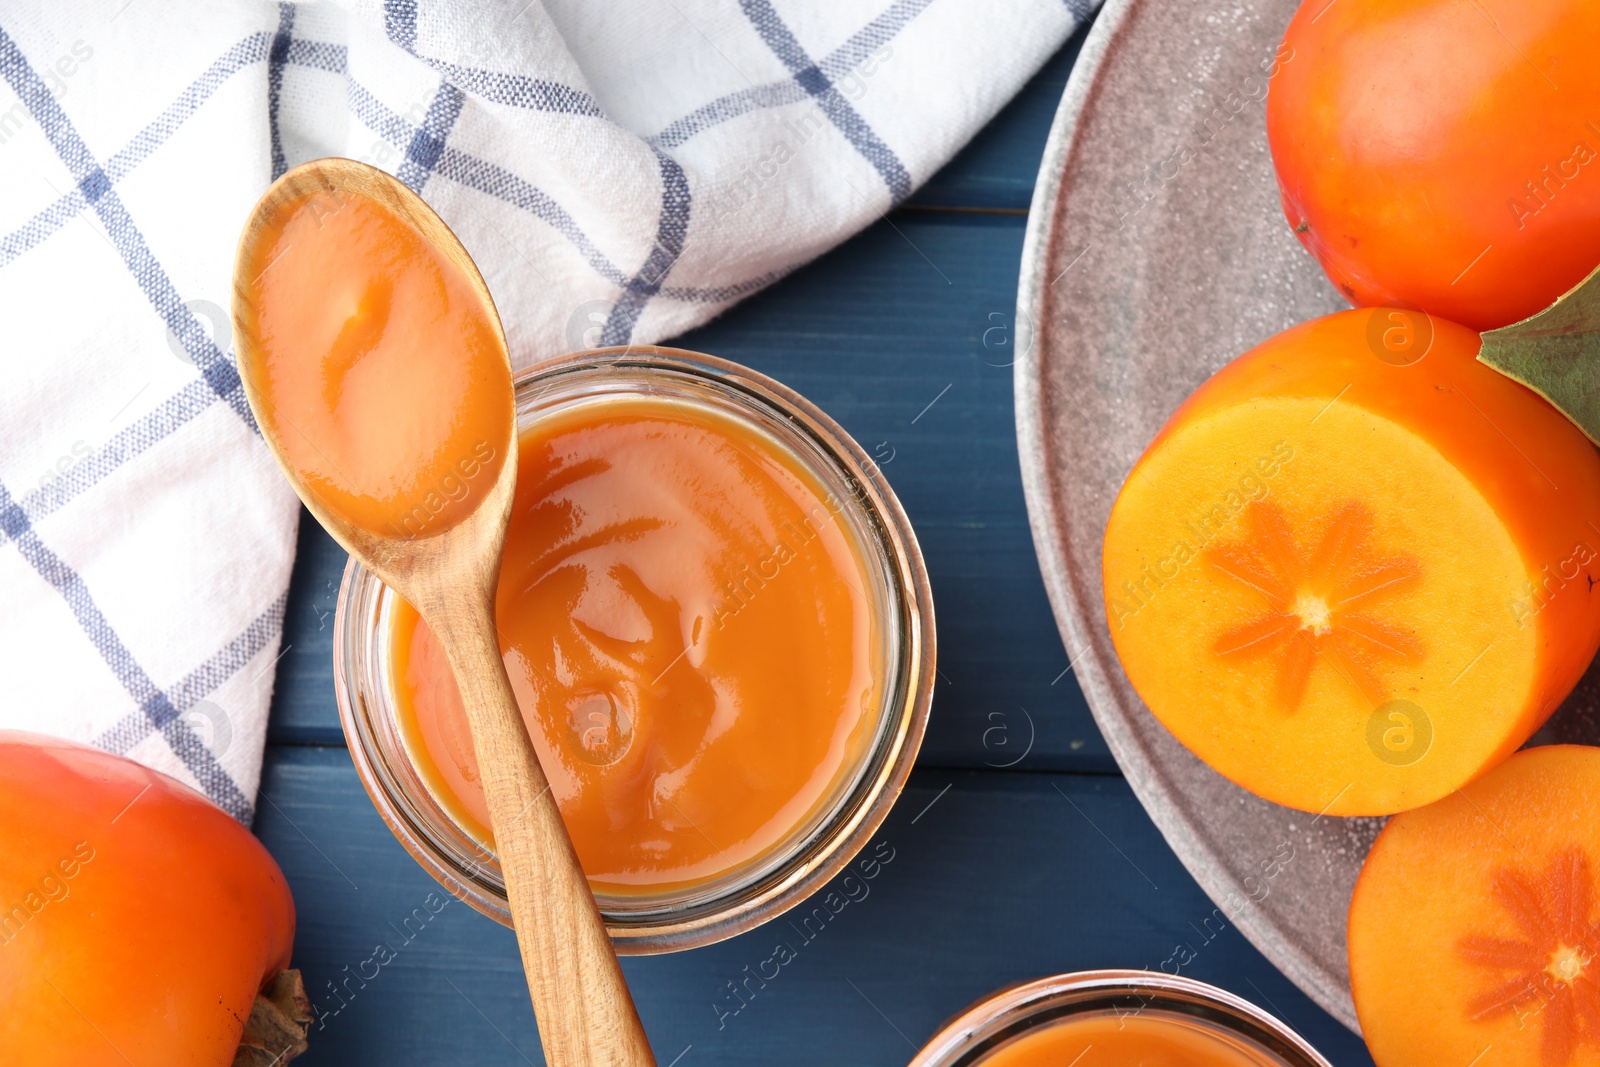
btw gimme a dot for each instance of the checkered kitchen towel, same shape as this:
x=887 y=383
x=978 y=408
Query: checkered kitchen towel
x=620 y=169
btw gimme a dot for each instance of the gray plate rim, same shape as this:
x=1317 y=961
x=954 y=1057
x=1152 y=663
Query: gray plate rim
x=1051 y=522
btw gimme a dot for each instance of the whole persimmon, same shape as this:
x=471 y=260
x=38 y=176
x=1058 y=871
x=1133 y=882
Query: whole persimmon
x=138 y=921
x=1443 y=154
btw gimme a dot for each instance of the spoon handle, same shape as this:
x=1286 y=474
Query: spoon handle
x=585 y=1013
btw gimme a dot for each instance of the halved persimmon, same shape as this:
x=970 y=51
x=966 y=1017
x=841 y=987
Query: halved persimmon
x=1356 y=568
x=1475 y=925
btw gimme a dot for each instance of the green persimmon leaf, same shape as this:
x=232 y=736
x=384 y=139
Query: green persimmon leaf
x=1556 y=353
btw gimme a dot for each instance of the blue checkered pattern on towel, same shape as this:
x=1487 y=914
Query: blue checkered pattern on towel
x=621 y=172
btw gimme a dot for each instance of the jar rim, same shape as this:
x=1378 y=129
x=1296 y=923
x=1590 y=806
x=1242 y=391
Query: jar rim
x=981 y=1028
x=795 y=869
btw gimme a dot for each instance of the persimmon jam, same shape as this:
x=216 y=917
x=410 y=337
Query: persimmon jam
x=686 y=617
x=1113 y=1039
x=376 y=364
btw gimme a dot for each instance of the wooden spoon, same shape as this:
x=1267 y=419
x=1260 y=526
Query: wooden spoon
x=585 y=1014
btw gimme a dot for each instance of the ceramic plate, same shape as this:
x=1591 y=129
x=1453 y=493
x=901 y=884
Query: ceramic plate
x=1156 y=252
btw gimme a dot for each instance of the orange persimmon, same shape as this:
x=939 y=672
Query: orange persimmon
x=1356 y=568
x=1443 y=154
x=138 y=920
x=1473 y=936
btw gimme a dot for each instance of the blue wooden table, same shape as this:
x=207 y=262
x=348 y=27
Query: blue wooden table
x=992 y=875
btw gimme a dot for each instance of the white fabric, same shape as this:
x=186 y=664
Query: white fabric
x=620 y=170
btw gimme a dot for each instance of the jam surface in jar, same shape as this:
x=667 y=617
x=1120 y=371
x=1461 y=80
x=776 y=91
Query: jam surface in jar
x=688 y=621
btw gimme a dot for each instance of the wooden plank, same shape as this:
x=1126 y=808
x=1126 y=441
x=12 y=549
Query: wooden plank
x=888 y=334
x=304 y=709
x=986 y=879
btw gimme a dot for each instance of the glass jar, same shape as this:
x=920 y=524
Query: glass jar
x=1000 y=1020
x=862 y=793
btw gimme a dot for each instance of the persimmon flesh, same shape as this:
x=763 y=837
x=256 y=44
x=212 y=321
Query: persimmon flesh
x=1473 y=928
x=1443 y=154
x=140 y=920
x=1352 y=585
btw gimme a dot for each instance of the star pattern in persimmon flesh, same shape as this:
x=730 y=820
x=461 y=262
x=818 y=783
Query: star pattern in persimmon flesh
x=1319 y=601
x=1550 y=978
